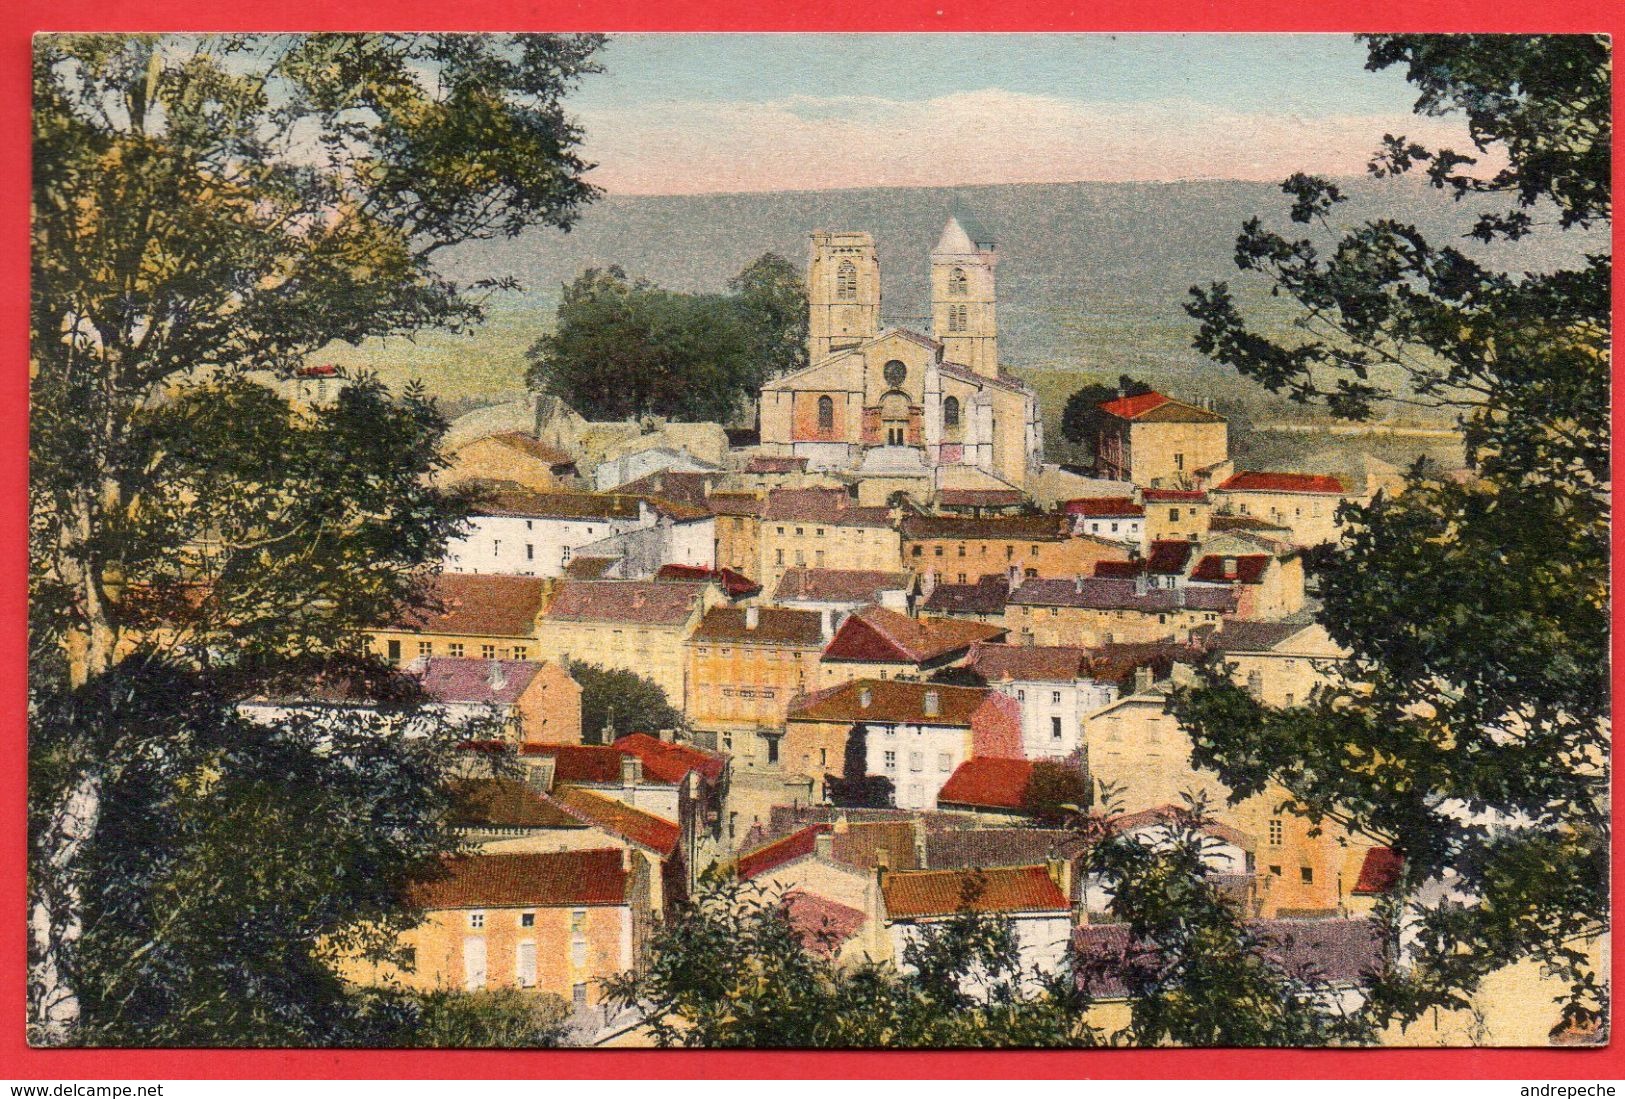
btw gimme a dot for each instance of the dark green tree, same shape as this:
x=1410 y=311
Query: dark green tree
x=622 y=702
x=508 y=1018
x=1081 y=418
x=1056 y=791
x=1468 y=729
x=772 y=298
x=208 y=211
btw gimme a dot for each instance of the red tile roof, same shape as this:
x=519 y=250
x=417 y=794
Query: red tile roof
x=988 y=784
x=648 y=831
x=589 y=566
x=838 y=585
x=823 y=505
x=1169 y=557
x=736 y=584
x=1158 y=408
x=1119 y=570
x=505 y=803
x=797 y=844
x=326 y=370
x=879 y=635
x=779 y=626
x=479 y=605
x=868 y=844
x=1104 y=507
x=916 y=894
x=1249 y=568
x=735 y=503
x=1251 y=481
x=668 y=762
x=635 y=602
x=553 y=880
x=891 y=702
x=1379 y=872
x=465 y=679
x=1049 y=663
x=987 y=596
x=1129 y=407
x=589 y=763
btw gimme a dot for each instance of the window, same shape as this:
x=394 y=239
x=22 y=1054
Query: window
x=578 y=997
x=919 y=551
x=455 y=648
x=496 y=547
x=525 y=965
x=578 y=920
x=1055 y=697
x=527 y=919
x=916 y=761
x=1173 y=515
x=1055 y=728
x=522 y=652
x=476 y=920
x=1255 y=683
x=823 y=757
x=1308 y=874
x=1289 y=700
x=950 y=412
x=1277 y=831
x=772 y=749
x=958 y=284
x=578 y=953
x=394 y=650
x=1021 y=695
x=846 y=281
x=1275 y=871
x=778 y=557
x=425 y=648
x=1179 y=461
x=945 y=762
x=961 y=549
x=530 y=551
x=891 y=761
x=938 y=551
x=565 y=556
x=488 y=652
x=826 y=414
x=818 y=558
x=961 y=578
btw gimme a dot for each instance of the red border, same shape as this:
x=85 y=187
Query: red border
x=19 y=21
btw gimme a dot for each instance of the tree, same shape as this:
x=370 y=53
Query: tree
x=730 y=968
x=621 y=702
x=507 y=1018
x=207 y=212
x=1468 y=727
x=1081 y=418
x=1055 y=791
x=624 y=347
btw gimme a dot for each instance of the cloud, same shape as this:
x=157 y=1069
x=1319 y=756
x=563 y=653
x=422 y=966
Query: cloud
x=968 y=138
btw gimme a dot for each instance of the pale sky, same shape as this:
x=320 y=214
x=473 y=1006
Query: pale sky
x=686 y=114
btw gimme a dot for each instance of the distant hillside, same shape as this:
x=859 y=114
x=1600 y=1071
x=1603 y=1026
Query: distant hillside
x=1092 y=276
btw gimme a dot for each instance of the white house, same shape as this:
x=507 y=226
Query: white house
x=536 y=534
x=1055 y=685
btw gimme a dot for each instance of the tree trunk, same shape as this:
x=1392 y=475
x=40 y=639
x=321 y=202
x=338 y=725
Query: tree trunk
x=54 y=910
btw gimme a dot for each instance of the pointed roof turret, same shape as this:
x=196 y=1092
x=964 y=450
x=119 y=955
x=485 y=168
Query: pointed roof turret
x=963 y=234
x=954 y=241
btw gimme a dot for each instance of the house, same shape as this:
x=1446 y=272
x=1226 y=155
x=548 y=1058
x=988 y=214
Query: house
x=640 y=626
x=559 y=923
x=953 y=549
x=745 y=665
x=538 y=701
x=514 y=458
x=735 y=585
x=1173 y=514
x=1267 y=585
x=914 y=735
x=483 y=616
x=983 y=601
x=702 y=779
x=738 y=529
x=1280 y=663
x=535 y=533
x=1227 y=855
x=634 y=465
x=1055 y=685
x=1115 y=518
x=681 y=536
x=677 y=486
x=874 y=641
x=1096 y=610
x=989 y=785
x=823 y=528
x=1032 y=899
x=843 y=591
x=1306 y=503
x=1158 y=442
x=317 y=385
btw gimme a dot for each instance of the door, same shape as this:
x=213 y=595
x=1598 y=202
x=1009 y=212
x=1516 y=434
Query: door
x=526 y=965
x=474 y=964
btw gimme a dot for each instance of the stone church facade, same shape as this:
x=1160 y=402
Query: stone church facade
x=898 y=410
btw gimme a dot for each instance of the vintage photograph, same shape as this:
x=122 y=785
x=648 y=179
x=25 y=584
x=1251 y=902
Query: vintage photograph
x=839 y=541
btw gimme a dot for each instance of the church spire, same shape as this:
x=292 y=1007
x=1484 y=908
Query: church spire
x=963 y=302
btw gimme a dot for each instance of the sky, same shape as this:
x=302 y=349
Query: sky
x=691 y=114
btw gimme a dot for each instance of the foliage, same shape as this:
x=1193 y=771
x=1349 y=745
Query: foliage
x=1468 y=728
x=624 y=347
x=208 y=211
x=621 y=701
x=730 y=969
x=1055 y=791
x=1081 y=418
x=507 y=1018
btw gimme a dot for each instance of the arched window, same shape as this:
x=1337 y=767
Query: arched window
x=826 y=414
x=846 y=281
x=950 y=412
x=958 y=284
x=958 y=318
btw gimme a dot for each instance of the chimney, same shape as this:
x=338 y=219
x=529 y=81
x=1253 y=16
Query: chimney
x=539 y=775
x=497 y=677
x=826 y=624
x=933 y=703
x=824 y=847
x=1142 y=679
x=865 y=697
x=753 y=617
x=918 y=825
x=631 y=771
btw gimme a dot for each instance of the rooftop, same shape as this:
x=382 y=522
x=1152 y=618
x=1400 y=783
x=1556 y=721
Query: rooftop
x=838 y=585
x=669 y=762
x=528 y=445
x=1379 y=872
x=1112 y=593
x=764 y=464
x=479 y=605
x=1169 y=558
x=553 y=880
x=890 y=702
x=923 y=894
x=1330 y=951
x=655 y=834
x=1104 y=507
x=1246 y=568
x=774 y=626
x=1173 y=496
x=1157 y=408
x=1029 y=663
x=465 y=679
x=1024 y=528
x=822 y=505
x=560 y=505
x=634 y=602
x=1254 y=481
x=988 y=784
x=1254 y=637
x=505 y=803
x=736 y=584
x=987 y=596
x=878 y=635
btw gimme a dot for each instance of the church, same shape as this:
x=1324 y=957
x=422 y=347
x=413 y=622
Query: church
x=897 y=410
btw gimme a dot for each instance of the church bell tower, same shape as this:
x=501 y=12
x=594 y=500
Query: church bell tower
x=962 y=296
x=843 y=293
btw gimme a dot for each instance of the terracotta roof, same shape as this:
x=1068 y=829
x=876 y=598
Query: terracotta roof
x=326 y=370
x=764 y=464
x=891 y=702
x=504 y=803
x=1154 y=407
x=838 y=585
x=1047 y=663
x=1027 y=528
x=1104 y=507
x=916 y=894
x=1251 y=481
x=635 y=602
x=735 y=503
x=988 y=784
x=480 y=605
x=987 y=596
x=465 y=679
x=1249 y=568
x=560 y=505
x=1110 y=593
x=1116 y=662
x=771 y=856
x=1379 y=871
x=879 y=635
x=1172 y=496
x=528 y=445
x=587 y=763
x=554 y=880
x=648 y=831
x=1169 y=557
x=668 y=762
x=822 y=924
x=822 y=505
x=736 y=584
x=1129 y=407
x=1121 y=570
x=978 y=497
x=679 y=486
x=866 y=843
x=774 y=626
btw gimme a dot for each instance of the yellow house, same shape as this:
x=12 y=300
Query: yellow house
x=822 y=528
x=746 y=664
x=738 y=531
x=488 y=617
x=511 y=456
x=961 y=550
x=1158 y=442
x=1305 y=503
x=1103 y=610
x=1176 y=514
x=1280 y=663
